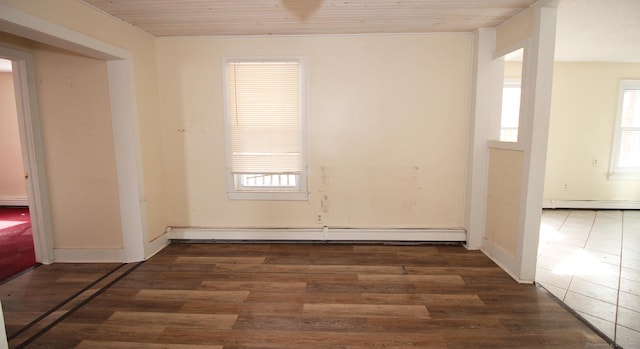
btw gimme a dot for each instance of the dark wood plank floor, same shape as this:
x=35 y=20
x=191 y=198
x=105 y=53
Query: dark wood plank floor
x=314 y=296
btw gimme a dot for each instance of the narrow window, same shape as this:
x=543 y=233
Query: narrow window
x=511 y=96
x=626 y=147
x=510 y=116
x=265 y=123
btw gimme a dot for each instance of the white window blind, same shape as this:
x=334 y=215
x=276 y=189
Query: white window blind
x=264 y=116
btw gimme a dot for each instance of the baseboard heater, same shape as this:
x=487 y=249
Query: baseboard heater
x=318 y=234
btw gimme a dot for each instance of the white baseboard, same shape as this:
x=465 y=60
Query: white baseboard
x=98 y=255
x=592 y=204
x=88 y=255
x=156 y=245
x=320 y=234
x=503 y=259
x=13 y=200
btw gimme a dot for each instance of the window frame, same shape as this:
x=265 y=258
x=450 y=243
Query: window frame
x=616 y=172
x=240 y=192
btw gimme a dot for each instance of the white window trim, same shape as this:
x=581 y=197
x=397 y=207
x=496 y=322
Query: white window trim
x=269 y=194
x=616 y=173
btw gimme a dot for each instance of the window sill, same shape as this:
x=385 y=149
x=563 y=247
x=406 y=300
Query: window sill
x=268 y=196
x=624 y=176
x=505 y=145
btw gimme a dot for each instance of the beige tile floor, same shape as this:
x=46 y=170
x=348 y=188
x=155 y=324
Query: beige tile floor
x=590 y=259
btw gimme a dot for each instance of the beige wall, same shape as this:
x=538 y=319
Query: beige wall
x=79 y=154
x=82 y=18
x=513 y=70
x=583 y=114
x=11 y=175
x=504 y=190
x=386 y=130
x=514 y=30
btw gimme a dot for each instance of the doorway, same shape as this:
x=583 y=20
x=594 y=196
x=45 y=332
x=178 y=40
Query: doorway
x=17 y=251
x=31 y=173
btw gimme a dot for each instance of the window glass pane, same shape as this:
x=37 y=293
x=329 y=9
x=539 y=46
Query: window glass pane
x=631 y=108
x=511 y=94
x=253 y=180
x=510 y=112
x=629 y=150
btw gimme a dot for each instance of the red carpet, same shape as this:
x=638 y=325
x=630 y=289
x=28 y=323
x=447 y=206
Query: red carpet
x=16 y=241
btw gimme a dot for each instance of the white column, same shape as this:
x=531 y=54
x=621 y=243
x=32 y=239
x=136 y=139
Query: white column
x=540 y=76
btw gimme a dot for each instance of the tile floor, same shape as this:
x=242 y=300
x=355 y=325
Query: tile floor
x=590 y=259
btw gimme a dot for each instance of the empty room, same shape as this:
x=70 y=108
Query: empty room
x=293 y=174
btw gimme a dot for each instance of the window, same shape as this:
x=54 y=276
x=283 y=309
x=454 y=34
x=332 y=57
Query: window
x=626 y=147
x=510 y=116
x=506 y=99
x=265 y=123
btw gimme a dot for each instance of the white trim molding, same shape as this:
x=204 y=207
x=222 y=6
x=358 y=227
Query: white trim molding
x=156 y=245
x=3 y=332
x=32 y=149
x=88 y=255
x=318 y=234
x=506 y=261
x=592 y=204
x=14 y=200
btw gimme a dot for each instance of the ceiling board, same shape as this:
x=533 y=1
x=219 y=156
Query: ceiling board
x=587 y=30
x=164 y=18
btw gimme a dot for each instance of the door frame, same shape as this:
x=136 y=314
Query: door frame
x=124 y=120
x=32 y=151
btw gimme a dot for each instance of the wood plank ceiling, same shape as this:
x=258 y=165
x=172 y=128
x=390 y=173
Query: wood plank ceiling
x=164 y=18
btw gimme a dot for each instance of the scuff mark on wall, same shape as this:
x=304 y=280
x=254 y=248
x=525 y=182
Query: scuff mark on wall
x=357 y=200
x=324 y=204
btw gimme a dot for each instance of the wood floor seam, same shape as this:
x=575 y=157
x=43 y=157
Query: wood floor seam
x=61 y=304
x=77 y=301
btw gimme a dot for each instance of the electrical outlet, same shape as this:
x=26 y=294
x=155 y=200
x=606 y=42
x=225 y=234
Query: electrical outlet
x=566 y=186
x=319 y=218
x=594 y=163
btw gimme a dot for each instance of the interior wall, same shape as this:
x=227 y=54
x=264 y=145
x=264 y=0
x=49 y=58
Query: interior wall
x=387 y=130
x=515 y=30
x=506 y=164
x=503 y=200
x=583 y=115
x=82 y=18
x=75 y=116
x=11 y=176
x=505 y=167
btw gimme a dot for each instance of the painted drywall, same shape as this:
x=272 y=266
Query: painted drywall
x=386 y=135
x=81 y=17
x=583 y=114
x=504 y=191
x=513 y=70
x=75 y=114
x=11 y=176
x=514 y=31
